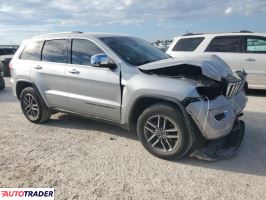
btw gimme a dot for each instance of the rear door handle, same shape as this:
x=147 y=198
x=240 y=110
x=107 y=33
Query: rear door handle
x=74 y=71
x=38 y=67
x=250 y=59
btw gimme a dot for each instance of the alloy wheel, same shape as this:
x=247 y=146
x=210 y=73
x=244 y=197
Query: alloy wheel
x=31 y=107
x=161 y=133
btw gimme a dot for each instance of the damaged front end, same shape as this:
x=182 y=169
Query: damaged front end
x=216 y=115
x=217 y=109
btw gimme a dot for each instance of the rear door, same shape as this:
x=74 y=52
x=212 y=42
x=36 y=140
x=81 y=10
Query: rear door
x=229 y=48
x=254 y=60
x=30 y=56
x=92 y=90
x=49 y=73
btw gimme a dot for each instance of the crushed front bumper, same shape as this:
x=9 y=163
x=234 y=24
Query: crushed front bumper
x=215 y=118
x=225 y=147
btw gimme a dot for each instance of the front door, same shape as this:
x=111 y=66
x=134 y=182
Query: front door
x=92 y=91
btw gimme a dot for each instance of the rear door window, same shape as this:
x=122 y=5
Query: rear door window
x=188 y=44
x=255 y=45
x=83 y=50
x=32 y=51
x=225 y=44
x=55 y=51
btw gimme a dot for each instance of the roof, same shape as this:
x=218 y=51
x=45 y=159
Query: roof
x=221 y=34
x=77 y=33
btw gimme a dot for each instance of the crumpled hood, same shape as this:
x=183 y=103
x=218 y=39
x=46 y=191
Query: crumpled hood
x=211 y=66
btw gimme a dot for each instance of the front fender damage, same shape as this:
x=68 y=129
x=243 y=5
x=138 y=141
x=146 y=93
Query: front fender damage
x=217 y=122
x=215 y=112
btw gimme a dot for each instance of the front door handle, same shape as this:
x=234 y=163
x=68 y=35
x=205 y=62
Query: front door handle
x=250 y=59
x=38 y=67
x=74 y=71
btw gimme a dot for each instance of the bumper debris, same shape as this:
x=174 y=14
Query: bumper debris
x=225 y=147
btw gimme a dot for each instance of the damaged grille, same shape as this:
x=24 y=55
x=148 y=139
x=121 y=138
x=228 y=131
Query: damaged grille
x=233 y=88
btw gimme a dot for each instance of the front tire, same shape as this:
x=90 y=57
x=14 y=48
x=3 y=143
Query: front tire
x=162 y=131
x=33 y=106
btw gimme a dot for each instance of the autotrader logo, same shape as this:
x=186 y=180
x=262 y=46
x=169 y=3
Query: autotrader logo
x=27 y=193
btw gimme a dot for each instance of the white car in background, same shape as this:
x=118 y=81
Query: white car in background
x=242 y=50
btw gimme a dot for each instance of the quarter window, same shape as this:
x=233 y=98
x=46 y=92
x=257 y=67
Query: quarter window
x=256 y=45
x=32 y=51
x=188 y=44
x=83 y=50
x=225 y=44
x=55 y=51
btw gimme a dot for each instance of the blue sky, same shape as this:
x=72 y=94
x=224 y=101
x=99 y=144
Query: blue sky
x=151 y=20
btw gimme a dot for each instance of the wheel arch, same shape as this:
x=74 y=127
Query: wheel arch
x=145 y=101
x=138 y=107
x=22 y=84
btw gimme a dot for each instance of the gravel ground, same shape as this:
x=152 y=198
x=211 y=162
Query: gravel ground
x=84 y=159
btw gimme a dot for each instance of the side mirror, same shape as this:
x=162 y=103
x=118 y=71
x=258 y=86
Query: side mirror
x=102 y=60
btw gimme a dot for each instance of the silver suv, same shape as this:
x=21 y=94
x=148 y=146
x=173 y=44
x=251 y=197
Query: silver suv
x=174 y=104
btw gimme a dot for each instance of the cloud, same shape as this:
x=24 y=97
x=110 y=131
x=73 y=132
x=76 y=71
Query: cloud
x=46 y=15
x=246 y=7
x=228 y=10
x=90 y=12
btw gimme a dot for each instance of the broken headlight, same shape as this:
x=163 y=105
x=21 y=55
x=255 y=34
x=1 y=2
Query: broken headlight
x=210 y=89
x=210 y=92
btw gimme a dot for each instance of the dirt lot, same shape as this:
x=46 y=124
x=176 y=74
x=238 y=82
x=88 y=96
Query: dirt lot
x=84 y=159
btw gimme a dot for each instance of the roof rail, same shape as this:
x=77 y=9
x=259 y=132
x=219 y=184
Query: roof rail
x=59 y=33
x=190 y=34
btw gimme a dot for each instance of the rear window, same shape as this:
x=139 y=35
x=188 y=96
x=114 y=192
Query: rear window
x=55 y=51
x=188 y=44
x=225 y=44
x=32 y=51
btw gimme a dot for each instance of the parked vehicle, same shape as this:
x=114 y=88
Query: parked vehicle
x=125 y=80
x=6 y=54
x=2 y=81
x=243 y=50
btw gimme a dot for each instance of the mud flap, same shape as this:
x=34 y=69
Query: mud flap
x=225 y=147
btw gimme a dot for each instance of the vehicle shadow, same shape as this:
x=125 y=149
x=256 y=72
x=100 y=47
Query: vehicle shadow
x=75 y=122
x=251 y=157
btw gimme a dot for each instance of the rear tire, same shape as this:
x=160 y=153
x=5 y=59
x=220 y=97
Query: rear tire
x=162 y=131
x=33 y=106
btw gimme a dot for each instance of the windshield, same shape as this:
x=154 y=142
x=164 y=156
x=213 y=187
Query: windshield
x=133 y=50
